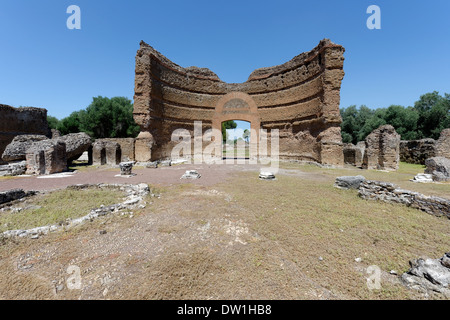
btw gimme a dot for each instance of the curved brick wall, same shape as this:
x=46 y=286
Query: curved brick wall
x=299 y=97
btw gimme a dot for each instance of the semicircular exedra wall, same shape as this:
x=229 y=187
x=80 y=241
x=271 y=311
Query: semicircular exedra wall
x=300 y=98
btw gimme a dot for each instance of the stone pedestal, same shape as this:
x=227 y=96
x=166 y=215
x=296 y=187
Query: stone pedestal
x=143 y=147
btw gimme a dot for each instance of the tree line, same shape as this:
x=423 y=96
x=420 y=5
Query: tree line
x=103 y=118
x=426 y=119
x=113 y=118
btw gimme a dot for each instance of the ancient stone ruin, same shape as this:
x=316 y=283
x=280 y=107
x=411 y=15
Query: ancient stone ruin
x=46 y=157
x=442 y=145
x=438 y=168
x=106 y=152
x=382 y=149
x=19 y=121
x=391 y=193
x=126 y=147
x=300 y=98
x=353 y=154
x=417 y=151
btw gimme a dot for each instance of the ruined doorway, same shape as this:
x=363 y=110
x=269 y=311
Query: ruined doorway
x=236 y=139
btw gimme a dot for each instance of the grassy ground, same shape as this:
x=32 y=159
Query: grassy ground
x=240 y=239
x=401 y=177
x=56 y=207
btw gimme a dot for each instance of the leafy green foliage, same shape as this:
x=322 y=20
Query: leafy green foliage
x=109 y=118
x=70 y=124
x=103 y=118
x=52 y=122
x=429 y=116
x=227 y=125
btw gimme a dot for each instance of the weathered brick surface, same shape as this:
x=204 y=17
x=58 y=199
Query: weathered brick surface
x=382 y=150
x=442 y=146
x=300 y=98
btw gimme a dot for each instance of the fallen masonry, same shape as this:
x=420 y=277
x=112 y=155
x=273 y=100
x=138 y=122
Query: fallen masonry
x=422 y=177
x=429 y=275
x=439 y=168
x=266 y=175
x=134 y=199
x=13 y=169
x=349 y=182
x=191 y=174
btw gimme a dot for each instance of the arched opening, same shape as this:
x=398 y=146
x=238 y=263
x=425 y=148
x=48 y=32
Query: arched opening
x=236 y=138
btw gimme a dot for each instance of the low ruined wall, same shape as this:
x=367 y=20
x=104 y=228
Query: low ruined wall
x=417 y=151
x=18 y=121
x=126 y=147
x=389 y=192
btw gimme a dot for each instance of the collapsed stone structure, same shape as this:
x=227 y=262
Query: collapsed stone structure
x=382 y=149
x=16 y=150
x=18 y=121
x=438 y=168
x=300 y=98
x=46 y=157
x=417 y=151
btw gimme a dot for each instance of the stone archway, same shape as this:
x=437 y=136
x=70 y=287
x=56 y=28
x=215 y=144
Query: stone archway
x=238 y=106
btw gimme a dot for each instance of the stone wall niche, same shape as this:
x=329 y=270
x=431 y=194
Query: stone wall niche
x=105 y=152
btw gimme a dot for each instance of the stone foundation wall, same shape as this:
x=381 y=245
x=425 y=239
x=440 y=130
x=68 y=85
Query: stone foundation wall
x=18 y=121
x=46 y=157
x=417 y=151
x=300 y=98
x=389 y=192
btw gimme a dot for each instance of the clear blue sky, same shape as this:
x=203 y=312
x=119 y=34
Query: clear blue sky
x=44 y=64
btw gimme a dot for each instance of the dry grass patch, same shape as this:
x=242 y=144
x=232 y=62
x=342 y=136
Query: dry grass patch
x=58 y=206
x=313 y=219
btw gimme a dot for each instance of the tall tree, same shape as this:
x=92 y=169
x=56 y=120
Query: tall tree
x=109 y=118
x=231 y=124
x=70 y=124
x=52 y=122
